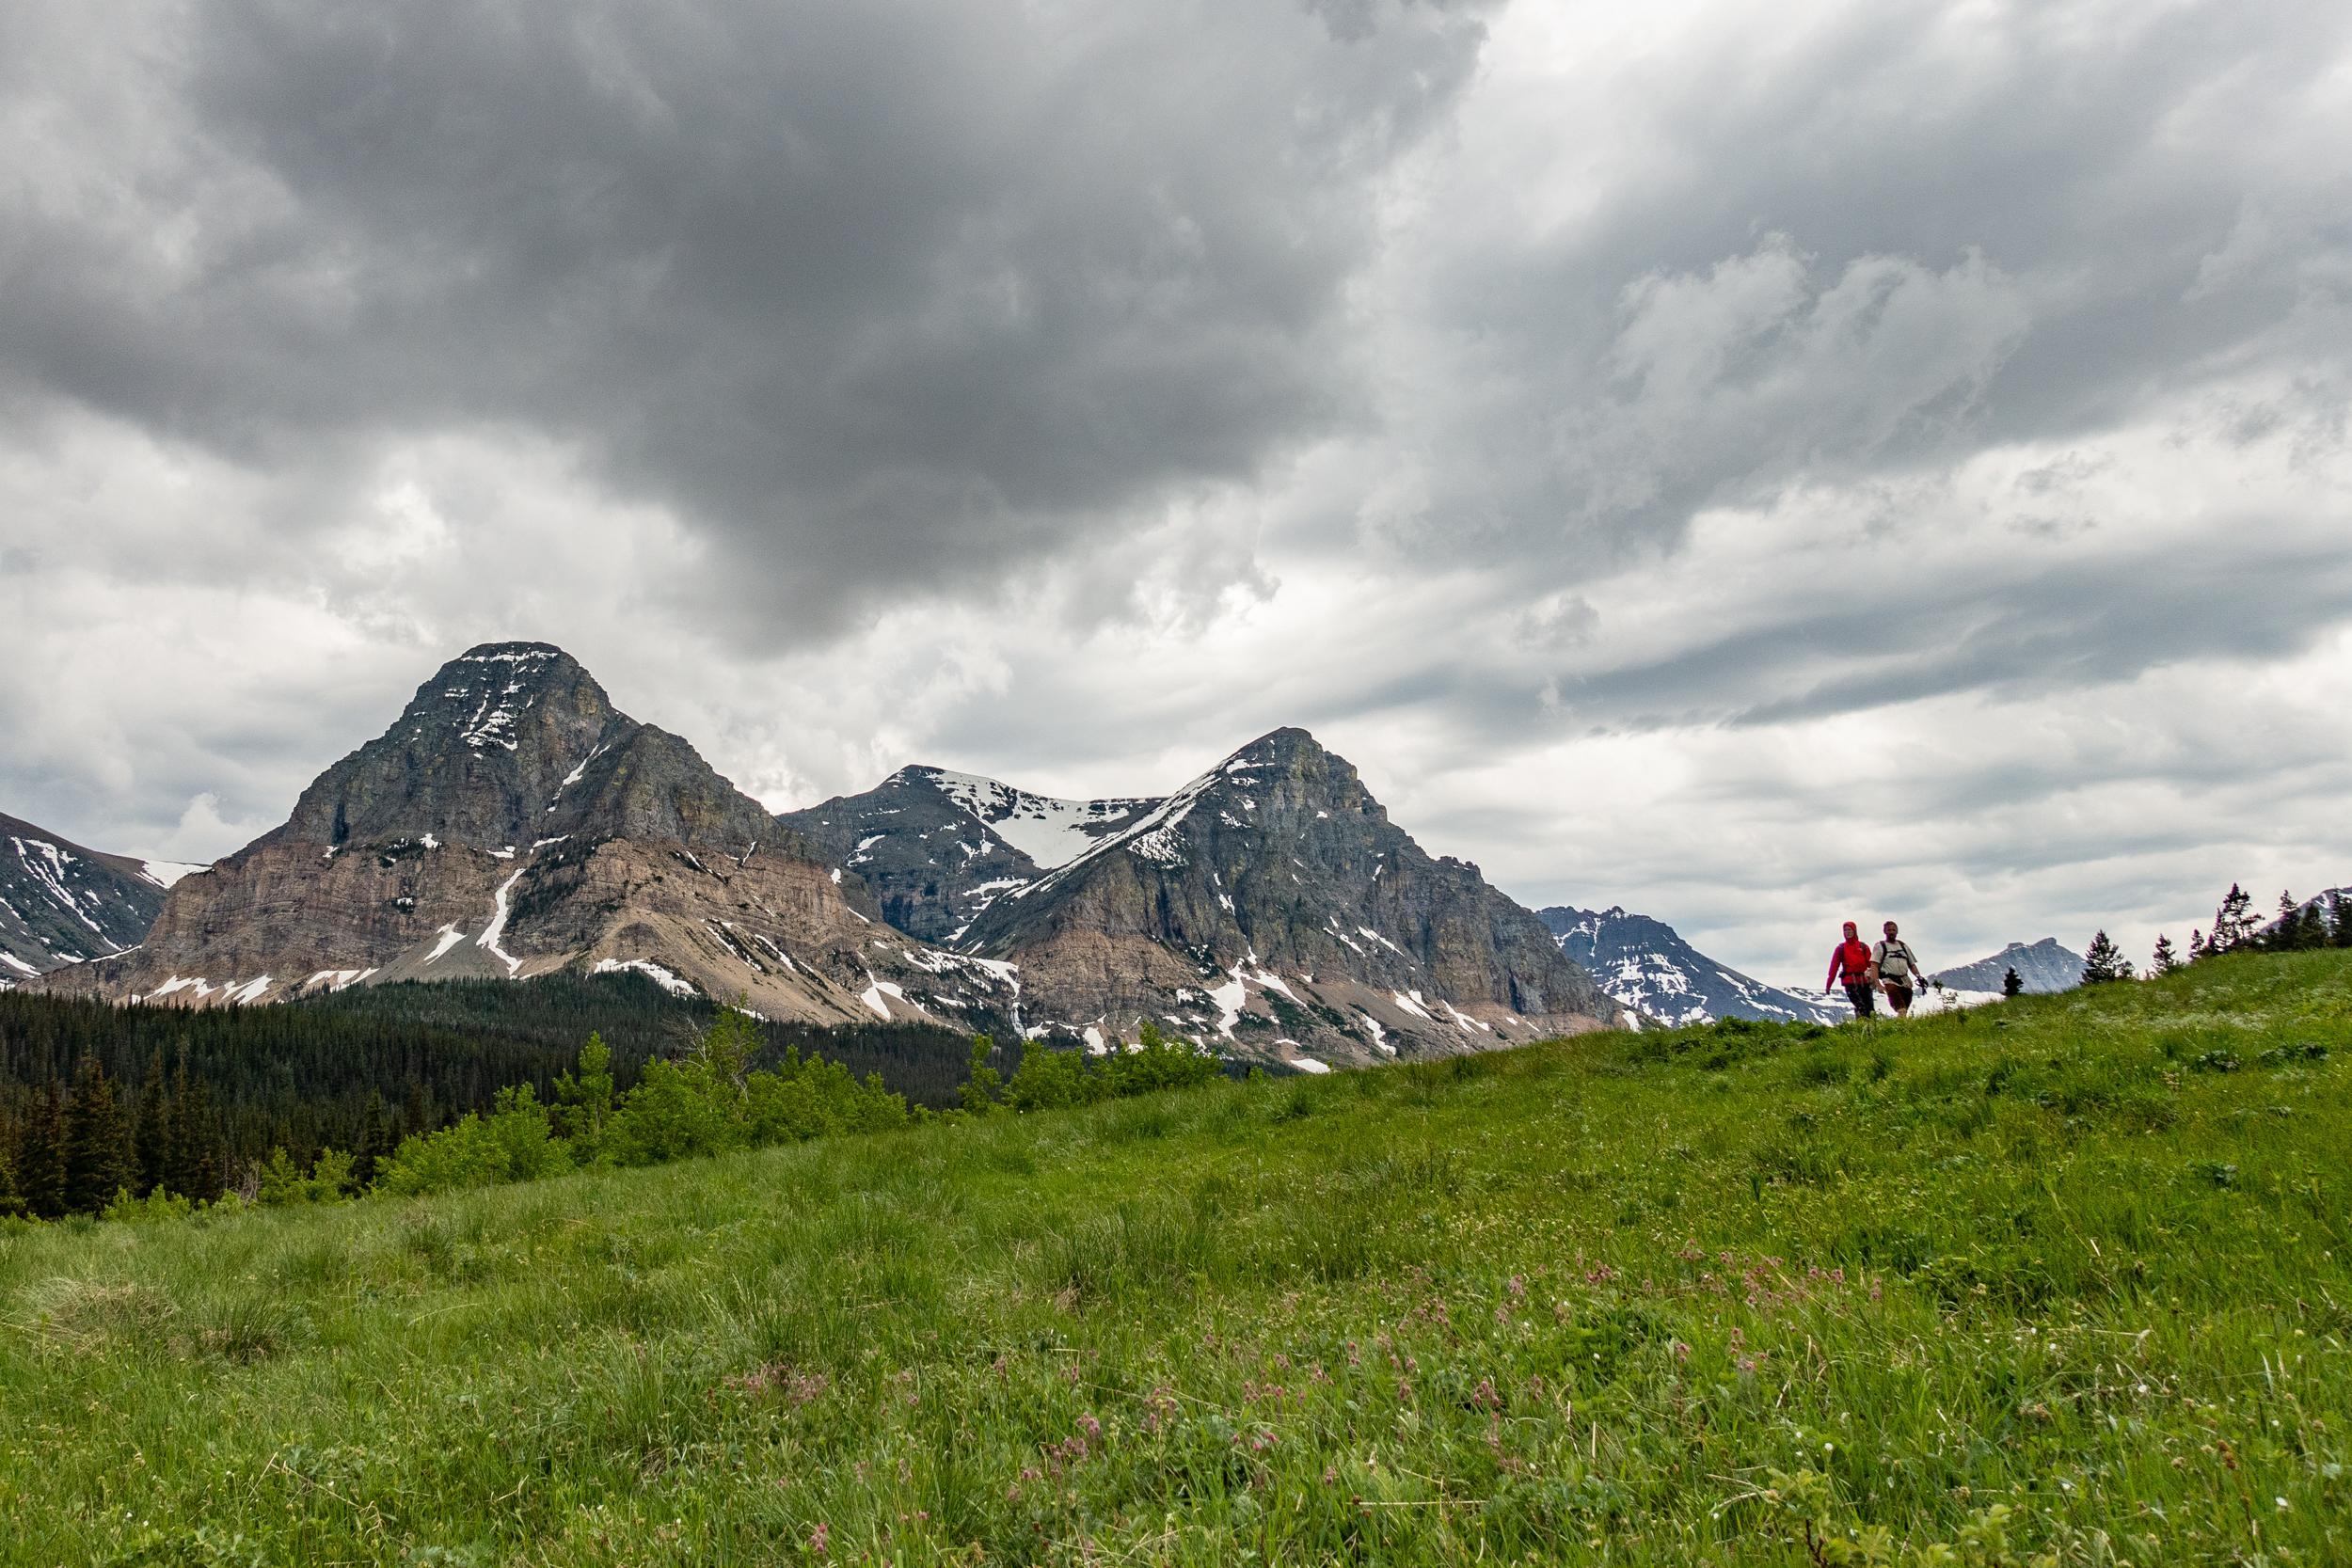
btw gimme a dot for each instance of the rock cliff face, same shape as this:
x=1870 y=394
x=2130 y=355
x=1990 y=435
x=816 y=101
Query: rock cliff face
x=511 y=822
x=1645 y=964
x=939 y=848
x=1270 y=908
x=61 y=904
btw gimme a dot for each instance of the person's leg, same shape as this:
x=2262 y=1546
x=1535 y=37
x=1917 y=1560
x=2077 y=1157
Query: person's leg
x=1899 y=998
x=1860 y=996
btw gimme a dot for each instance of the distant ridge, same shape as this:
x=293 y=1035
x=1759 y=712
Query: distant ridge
x=62 y=904
x=1646 y=965
x=2045 y=967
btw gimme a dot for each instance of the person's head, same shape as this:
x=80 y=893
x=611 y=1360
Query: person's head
x=1890 y=930
x=1852 y=931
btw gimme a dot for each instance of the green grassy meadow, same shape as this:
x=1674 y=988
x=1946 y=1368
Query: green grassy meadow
x=2068 y=1279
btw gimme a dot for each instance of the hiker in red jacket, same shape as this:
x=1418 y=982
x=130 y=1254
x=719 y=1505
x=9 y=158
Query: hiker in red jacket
x=1852 y=958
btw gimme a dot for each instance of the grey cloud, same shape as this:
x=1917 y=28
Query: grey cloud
x=2011 y=635
x=1977 y=225
x=879 y=296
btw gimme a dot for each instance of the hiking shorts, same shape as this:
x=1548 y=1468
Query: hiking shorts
x=1898 y=996
x=1863 y=997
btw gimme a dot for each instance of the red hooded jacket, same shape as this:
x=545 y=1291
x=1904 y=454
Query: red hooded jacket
x=1852 y=956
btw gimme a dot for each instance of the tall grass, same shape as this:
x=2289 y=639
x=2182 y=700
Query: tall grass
x=1722 y=1295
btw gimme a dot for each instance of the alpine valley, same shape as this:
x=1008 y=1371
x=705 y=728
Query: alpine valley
x=511 y=823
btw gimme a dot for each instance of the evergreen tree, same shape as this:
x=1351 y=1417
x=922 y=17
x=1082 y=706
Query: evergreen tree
x=2288 y=928
x=2165 y=962
x=10 y=1204
x=2339 y=920
x=97 y=1145
x=2196 y=948
x=375 y=1140
x=2104 y=961
x=192 y=1163
x=2232 y=923
x=150 y=1137
x=40 y=1157
x=2012 y=985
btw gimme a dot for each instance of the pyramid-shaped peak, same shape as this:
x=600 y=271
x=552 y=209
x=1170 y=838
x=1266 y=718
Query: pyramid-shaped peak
x=1287 y=748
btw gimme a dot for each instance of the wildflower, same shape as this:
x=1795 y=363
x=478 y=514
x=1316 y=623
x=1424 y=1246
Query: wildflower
x=1330 y=1474
x=819 y=1540
x=1092 y=1428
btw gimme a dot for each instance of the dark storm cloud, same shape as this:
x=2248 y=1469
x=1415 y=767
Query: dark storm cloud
x=876 y=296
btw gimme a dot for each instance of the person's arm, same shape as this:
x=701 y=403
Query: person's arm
x=1837 y=962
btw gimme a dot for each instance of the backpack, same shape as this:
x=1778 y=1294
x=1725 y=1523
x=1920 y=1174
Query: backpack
x=1895 y=960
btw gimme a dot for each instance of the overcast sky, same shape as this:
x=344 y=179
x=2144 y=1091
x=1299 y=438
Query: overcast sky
x=1759 y=466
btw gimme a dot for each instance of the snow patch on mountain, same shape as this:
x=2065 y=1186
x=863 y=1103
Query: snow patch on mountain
x=1645 y=965
x=1050 y=832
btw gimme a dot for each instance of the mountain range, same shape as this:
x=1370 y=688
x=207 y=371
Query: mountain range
x=510 y=823
x=1646 y=965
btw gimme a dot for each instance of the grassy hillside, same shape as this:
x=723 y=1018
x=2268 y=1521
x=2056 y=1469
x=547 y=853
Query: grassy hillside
x=2067 y=1277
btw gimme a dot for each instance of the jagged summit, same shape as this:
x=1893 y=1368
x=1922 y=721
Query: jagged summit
x=1270 y=905
x=511 y=821
x=510 y=744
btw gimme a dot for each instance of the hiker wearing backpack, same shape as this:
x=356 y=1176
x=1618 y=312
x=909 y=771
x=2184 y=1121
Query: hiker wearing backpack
x=1852 y=958
x=1897 y=969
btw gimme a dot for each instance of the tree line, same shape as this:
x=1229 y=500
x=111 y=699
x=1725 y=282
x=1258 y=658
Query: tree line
x=2299 y=927
x=96 y=1096
x=160 y=1151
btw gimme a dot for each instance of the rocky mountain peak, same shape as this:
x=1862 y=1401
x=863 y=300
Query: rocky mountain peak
x=1270 y=905
x=513 y=744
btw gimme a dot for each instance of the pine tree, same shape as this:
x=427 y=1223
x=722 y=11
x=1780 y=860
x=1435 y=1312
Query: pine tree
x=40 y=1157
x=151 y=1138
x=2163 y=962
x=2287 y=928
x=375 y=1140
x=10 y=1204
x=96 y=1143
x=2339 y=920
x=192 y=1166
x=2104 y=961
x=2196 y=948
x=2232 y=923
x=2012 y=985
